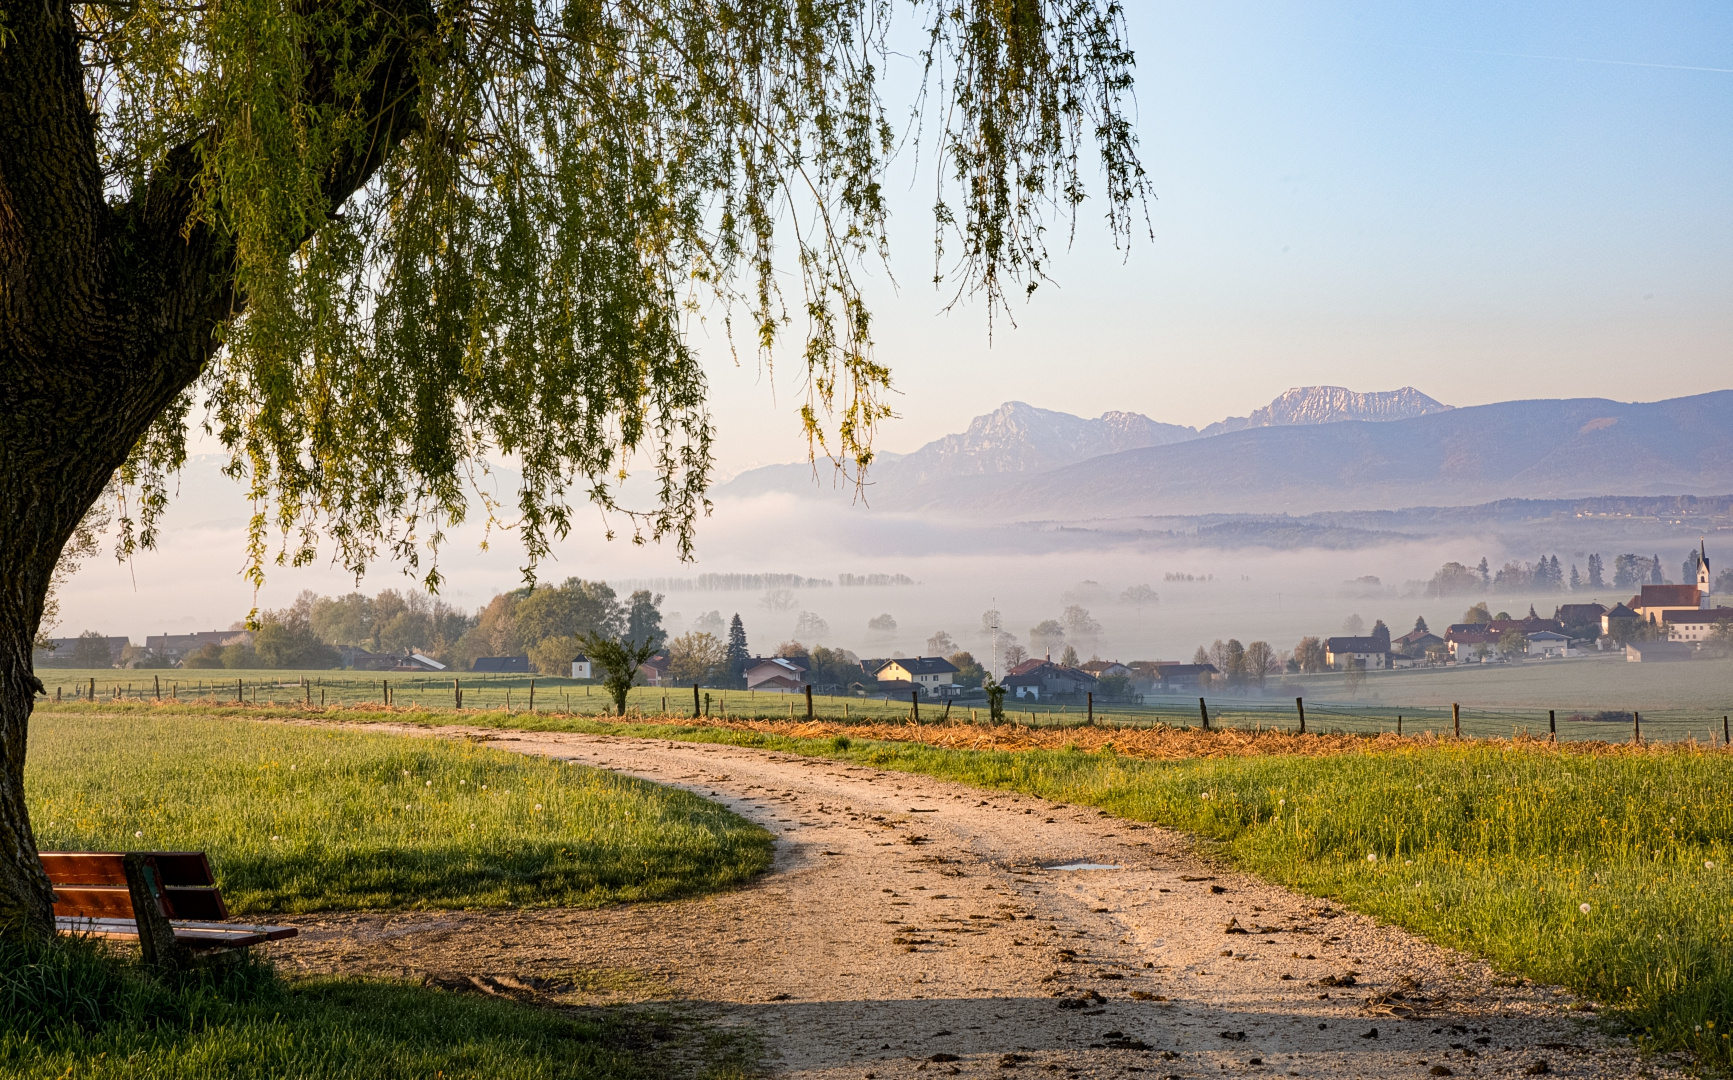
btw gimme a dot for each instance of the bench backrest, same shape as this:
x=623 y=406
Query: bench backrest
x=92 y=885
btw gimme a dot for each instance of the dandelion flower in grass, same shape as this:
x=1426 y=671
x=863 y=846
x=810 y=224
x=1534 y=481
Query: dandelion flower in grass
x=460 y=783
x=1584 y=908
x=1372 y=857
x=430 y=783
x=1708 y=864
x=140 y=832
x=538 y=806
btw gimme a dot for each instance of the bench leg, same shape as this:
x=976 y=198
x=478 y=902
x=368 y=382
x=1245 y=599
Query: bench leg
x=156 y=937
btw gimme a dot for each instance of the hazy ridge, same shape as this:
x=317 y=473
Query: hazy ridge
x=1313 y=449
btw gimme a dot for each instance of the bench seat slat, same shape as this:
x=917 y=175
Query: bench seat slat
x=195 y=935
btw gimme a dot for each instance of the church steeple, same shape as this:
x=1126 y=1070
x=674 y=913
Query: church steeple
x=1703 y=573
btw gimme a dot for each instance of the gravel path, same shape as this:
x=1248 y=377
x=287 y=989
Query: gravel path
x=914 y=927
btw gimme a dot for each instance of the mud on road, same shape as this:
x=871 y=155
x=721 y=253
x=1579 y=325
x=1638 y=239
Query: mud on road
x=912 y=927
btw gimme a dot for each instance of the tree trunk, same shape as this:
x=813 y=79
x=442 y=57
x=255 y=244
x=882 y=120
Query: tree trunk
x=108 y=313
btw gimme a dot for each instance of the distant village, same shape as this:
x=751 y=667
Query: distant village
x=541 y=632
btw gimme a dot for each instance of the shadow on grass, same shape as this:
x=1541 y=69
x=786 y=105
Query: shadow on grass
x=77 y=1009
x=526 y=874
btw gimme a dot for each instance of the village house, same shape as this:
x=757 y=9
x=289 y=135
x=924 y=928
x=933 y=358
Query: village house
x=1547 y=644
x=1367 y=652
x=501 y=665
x=176 y=647
x=654 y=671
x=786 y=674
x=1696 y=626
x=1654 y=652
x=1579 y=616
x=1471 y=643
x=1043 y=679
x=1617 y=616
x=1175 y=677
x=1416 y=644
x=932 y=675
x=1101 y=669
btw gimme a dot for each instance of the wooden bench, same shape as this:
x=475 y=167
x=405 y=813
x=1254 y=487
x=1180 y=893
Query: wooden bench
x=167 y=900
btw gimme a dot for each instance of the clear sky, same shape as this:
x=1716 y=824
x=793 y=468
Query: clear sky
x=1484 y=200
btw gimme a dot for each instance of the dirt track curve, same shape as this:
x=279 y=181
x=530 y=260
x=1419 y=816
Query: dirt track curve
x=911 y=927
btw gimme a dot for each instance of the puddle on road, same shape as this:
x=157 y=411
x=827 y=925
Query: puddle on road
x=1084 y=866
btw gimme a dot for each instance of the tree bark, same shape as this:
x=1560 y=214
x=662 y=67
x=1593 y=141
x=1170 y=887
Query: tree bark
x=108 y=313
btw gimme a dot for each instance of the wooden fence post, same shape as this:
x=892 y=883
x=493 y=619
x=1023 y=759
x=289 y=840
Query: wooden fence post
x=1398 y=725
x=915 y=705
x=1552 y=724
x=1456 y=718
x=240 y=693
x=809 y=702
x=1636 y=727
x=695 y=709
x=1300 y=704
x=1091 y=694
x=1724 y=739
x=1203 y=709
x=93 y=689
x=532 y=695
x=157 y=679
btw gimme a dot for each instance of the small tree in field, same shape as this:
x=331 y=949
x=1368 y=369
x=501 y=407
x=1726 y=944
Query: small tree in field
x=619 y=660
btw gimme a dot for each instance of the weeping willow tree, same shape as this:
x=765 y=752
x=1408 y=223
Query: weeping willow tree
x=374 y=244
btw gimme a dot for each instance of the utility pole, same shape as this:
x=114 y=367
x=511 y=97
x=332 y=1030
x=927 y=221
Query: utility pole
x=995 y=639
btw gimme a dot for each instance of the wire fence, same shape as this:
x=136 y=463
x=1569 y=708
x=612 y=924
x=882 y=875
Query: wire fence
x=526 y=694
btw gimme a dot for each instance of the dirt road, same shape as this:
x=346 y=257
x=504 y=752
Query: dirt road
x=917 y=927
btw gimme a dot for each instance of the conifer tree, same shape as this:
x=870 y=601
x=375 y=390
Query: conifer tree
x=738 y=653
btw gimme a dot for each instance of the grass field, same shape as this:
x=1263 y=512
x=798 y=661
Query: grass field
x=1491 y=846
x=298 y=819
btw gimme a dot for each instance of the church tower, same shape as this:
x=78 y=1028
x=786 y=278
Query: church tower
x=1702 y=574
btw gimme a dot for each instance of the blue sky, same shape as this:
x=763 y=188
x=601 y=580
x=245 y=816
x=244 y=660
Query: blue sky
x=1486 y=201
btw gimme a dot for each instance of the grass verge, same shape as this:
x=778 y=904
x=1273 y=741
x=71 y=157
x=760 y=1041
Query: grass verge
x=301 y=819
x=78 y=1010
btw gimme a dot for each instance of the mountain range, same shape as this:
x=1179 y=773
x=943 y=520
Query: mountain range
x=1311 y=449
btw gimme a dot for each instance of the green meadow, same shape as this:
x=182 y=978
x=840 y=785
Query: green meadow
x=301 y=819
x=1676 y=702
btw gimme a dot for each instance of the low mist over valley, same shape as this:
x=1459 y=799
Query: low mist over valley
x=1071 y=529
